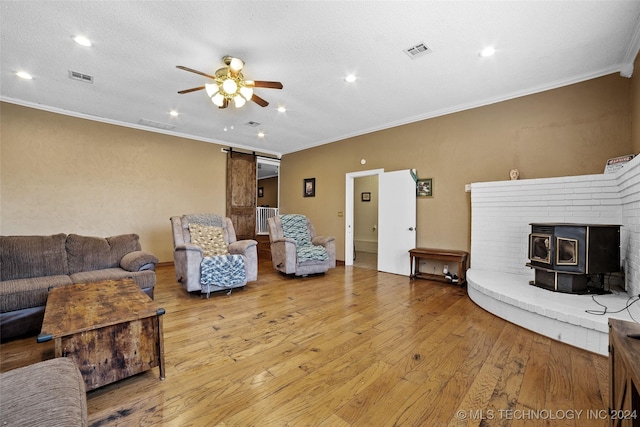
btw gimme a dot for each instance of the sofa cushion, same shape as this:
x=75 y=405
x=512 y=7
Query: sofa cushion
x=32 y=256
x=86 y=253
x=18 y=294
x=49 y=393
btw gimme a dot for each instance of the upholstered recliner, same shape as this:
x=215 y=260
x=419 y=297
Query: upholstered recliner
x=295 y=247
x=222 y=253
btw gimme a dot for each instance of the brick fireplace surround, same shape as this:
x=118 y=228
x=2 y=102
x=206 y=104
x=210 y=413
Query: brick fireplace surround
x=498 y=279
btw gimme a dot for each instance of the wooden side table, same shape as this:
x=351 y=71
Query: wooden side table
x=624 y=374
x=449 y=255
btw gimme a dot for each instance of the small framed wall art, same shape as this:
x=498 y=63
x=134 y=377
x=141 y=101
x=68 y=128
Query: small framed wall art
x=366 y=197
x=260 y=191
x=309 y=187
x=424 y=187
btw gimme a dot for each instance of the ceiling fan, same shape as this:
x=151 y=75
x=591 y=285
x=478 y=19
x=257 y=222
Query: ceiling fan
x=229 y=85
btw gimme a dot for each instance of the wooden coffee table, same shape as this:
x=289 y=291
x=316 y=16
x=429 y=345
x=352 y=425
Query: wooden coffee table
x=111 y=329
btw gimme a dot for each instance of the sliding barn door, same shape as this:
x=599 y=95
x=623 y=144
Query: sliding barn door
x=241 y=193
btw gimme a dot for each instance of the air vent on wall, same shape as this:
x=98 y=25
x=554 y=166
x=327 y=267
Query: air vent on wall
x=75 y=75
x=252 y=124
x=165 y=126
x=417 y=51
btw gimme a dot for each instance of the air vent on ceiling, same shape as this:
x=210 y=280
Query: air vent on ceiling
x=154 y=124
x=418 y=50
x=252 y=124
x=75 y=75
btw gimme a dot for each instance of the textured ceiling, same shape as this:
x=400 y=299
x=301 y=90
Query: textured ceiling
x=309 y=46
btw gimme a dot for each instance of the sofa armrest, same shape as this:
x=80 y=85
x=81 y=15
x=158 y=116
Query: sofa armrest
x=240 y=247
x=322 y=240
x=138 y=261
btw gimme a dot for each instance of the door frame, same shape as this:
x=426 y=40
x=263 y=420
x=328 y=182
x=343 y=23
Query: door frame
x=349 y=208
x=272 y=162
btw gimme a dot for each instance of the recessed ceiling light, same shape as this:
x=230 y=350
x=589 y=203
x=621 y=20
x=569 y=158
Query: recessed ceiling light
x=260 y=134
x=82 y=41
x=487 y=51
x=282 y=109
x=24 y=75
x=174 y=113
x=350 y=78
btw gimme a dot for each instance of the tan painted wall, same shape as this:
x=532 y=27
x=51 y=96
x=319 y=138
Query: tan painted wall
x=270 y=188
x=64 y=174
x=61 y=174
x=365 y=214
x=562 y=132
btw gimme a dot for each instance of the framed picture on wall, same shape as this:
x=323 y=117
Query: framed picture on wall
x=424 y=187
x=366 y=197
x=260 y=191
x=309 y=187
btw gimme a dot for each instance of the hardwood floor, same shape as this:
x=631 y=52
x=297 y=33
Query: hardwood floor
x=351 y=348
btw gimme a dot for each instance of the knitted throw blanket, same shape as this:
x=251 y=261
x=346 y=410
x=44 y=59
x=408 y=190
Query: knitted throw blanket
x=225 y=271
x=295 y=227
x=212 y=220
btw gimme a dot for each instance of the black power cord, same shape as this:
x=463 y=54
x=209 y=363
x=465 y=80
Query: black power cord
x=632 y=300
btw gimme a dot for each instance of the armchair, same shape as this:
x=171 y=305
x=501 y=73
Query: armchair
x=188 y=257
x=295 y=247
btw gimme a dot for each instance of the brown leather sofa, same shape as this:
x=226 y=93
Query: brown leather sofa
x=31 y=265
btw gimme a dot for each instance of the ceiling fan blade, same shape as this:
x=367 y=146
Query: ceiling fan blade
x=191 y=70
x=261 y=102
x=193 y=89
x=267 y=85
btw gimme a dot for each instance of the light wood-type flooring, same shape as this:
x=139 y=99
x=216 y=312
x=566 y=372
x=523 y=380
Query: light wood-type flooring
x=354 y=347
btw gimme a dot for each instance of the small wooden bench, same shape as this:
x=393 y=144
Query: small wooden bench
x=449 y=255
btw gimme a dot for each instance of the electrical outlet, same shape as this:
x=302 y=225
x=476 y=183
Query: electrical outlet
x=445 y=269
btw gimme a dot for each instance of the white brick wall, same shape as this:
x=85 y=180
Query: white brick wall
x=629 y=190
x=502 y=211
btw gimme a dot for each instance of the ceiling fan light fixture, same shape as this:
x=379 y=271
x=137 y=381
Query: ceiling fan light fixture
x=218 y=99
x=211 y=89
x=229 y=86
x=235 y=64
x=246 y=92
x=239 y=101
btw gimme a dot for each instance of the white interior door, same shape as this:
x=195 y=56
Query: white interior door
x=397 y=221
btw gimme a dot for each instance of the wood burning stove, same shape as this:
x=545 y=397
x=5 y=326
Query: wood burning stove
x=566 y=256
